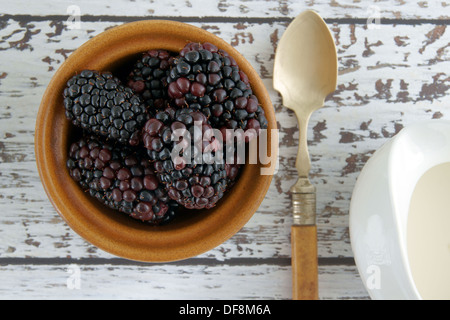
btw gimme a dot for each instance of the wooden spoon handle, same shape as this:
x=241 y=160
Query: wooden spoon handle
x=304 y=262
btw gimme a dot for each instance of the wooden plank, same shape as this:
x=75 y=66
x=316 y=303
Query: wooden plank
x=262 y=9
x=168 y=282
x=389 y=77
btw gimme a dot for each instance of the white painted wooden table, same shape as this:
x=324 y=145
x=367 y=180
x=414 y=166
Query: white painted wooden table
x=391 y=74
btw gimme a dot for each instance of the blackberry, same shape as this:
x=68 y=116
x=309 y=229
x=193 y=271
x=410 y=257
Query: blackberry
x=149 y=77
x=232 y=171
x=158 y=132
x=196 y=186
x=191 y=175
x=100 y=104
x=121 y=178
x=208 y=79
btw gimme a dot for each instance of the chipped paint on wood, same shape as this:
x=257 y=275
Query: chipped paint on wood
x=332 y=9
x=388 y=78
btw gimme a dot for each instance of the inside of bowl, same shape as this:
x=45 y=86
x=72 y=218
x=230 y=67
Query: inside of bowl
x=416 y=149
x=121 y=68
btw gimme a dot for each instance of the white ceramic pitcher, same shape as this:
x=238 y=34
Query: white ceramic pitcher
x=380 y=206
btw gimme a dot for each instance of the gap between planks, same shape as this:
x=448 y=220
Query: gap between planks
x=343 y=261
x=250 y=20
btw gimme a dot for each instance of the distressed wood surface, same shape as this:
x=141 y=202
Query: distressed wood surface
x=162 y=282
x=389 y=77
x=261 y=9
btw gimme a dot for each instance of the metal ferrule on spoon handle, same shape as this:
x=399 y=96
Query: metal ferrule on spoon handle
x=304 y=208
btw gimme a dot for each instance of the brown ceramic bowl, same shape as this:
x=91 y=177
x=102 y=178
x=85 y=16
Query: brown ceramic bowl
x=188 y=235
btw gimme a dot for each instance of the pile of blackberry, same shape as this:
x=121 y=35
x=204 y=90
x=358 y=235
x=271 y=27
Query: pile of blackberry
x=120 y=178
x=132 y=156
x=193 y=176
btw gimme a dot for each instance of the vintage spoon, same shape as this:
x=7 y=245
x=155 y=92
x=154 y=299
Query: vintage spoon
x=305 y=73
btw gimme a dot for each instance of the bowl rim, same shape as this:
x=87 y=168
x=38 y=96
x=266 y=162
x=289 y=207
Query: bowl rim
x=90 y=230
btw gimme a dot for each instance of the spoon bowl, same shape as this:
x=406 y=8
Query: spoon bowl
x=305 y=64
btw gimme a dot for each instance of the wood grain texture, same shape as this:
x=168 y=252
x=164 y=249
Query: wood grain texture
x=305 y=278
x=160 y=282
x=388 y=78
x=261 y=9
